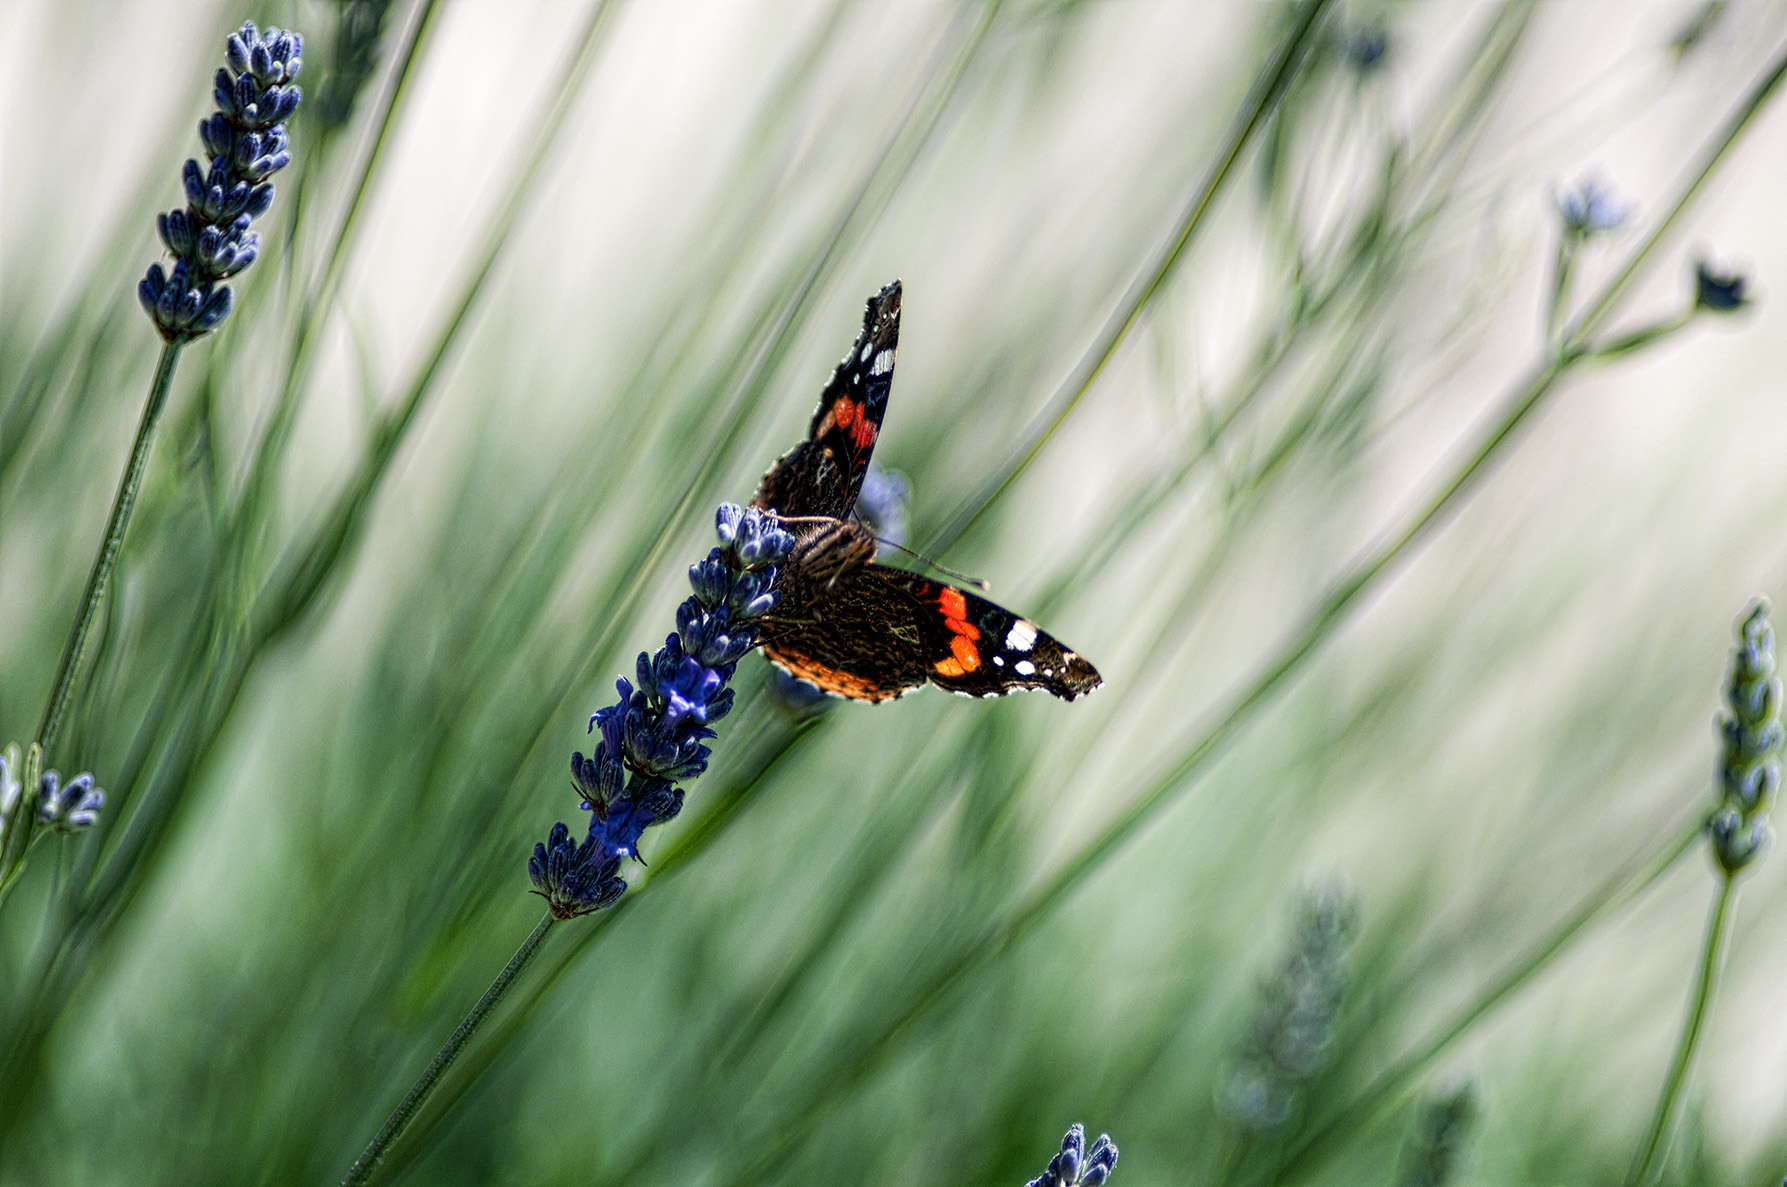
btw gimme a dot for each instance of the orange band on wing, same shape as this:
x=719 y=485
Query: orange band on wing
x=830 y=679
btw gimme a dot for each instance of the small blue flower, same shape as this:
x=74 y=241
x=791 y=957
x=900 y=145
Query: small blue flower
x=68 y=807
x=1076 y=1166
x=1590 y=209
x=654 y=734
x=1718 y=292
x=245 y=144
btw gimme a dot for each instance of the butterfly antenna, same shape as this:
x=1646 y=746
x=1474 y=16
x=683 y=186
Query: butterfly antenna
x=979 y=583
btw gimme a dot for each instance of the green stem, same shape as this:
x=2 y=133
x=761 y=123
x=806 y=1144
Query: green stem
x=19 y=840
x=412 y=1102
x=108 y=550
x=1716 y=930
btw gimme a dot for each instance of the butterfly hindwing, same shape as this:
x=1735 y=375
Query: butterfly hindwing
x=877 y=631
x=823 y=474
x=855 y=636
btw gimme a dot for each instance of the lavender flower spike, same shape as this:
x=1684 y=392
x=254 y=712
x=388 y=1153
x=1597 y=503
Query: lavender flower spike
x=245 y=144
x=1077 y=1166
x=654 y=735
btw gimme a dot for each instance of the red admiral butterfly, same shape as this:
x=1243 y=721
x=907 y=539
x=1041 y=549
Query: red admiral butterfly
x=868 y=631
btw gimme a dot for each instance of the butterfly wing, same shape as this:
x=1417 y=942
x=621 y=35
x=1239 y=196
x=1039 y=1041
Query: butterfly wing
x=823 y=474
x=879 y=631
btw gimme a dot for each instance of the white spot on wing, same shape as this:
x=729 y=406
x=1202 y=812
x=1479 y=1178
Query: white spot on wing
x=867 y=349
x=1021 y=637
x=883 y=362
x=998 y=661
x=1024 y=668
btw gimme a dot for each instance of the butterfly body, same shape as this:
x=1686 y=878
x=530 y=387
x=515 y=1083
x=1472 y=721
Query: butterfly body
x=868 y=631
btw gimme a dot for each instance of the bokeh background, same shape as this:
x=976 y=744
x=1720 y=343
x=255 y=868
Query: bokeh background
x=547 y=281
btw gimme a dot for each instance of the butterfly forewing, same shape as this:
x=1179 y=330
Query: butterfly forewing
x=824 y=474
x=983 y=649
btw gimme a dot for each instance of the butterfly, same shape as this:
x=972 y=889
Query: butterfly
x=872 y=632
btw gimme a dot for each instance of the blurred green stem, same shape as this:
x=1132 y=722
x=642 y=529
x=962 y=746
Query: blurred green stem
x=1717 y=928
x=406 y=1111
x=1390 y=1084
x=1270 y=87
x=97 y=579
x=1559 y=303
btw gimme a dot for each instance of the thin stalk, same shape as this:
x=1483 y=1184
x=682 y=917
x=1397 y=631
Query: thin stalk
x=1717 y=928
x=406 y=1110
x=103 y=561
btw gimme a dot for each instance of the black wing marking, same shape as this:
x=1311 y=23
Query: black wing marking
x=823 y=474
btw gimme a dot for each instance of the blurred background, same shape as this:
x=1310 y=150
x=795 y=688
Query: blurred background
x=1379 y=886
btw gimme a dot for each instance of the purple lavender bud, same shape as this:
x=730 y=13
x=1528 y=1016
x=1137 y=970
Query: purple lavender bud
x=711 y=580
x=70 y=807
x=599 y=778
x=726 y=521
x=1074 y=1166
x=564 y=874
x=235 y=50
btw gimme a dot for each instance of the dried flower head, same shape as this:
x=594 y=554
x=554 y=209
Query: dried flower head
x=352 y=57
x=1292 y=1034
x=245 y=144
x=1750 y=754
x=1717 y=291
x=1442 y=1129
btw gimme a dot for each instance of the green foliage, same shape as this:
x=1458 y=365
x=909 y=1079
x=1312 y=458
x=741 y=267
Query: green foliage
x=1227 y=335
